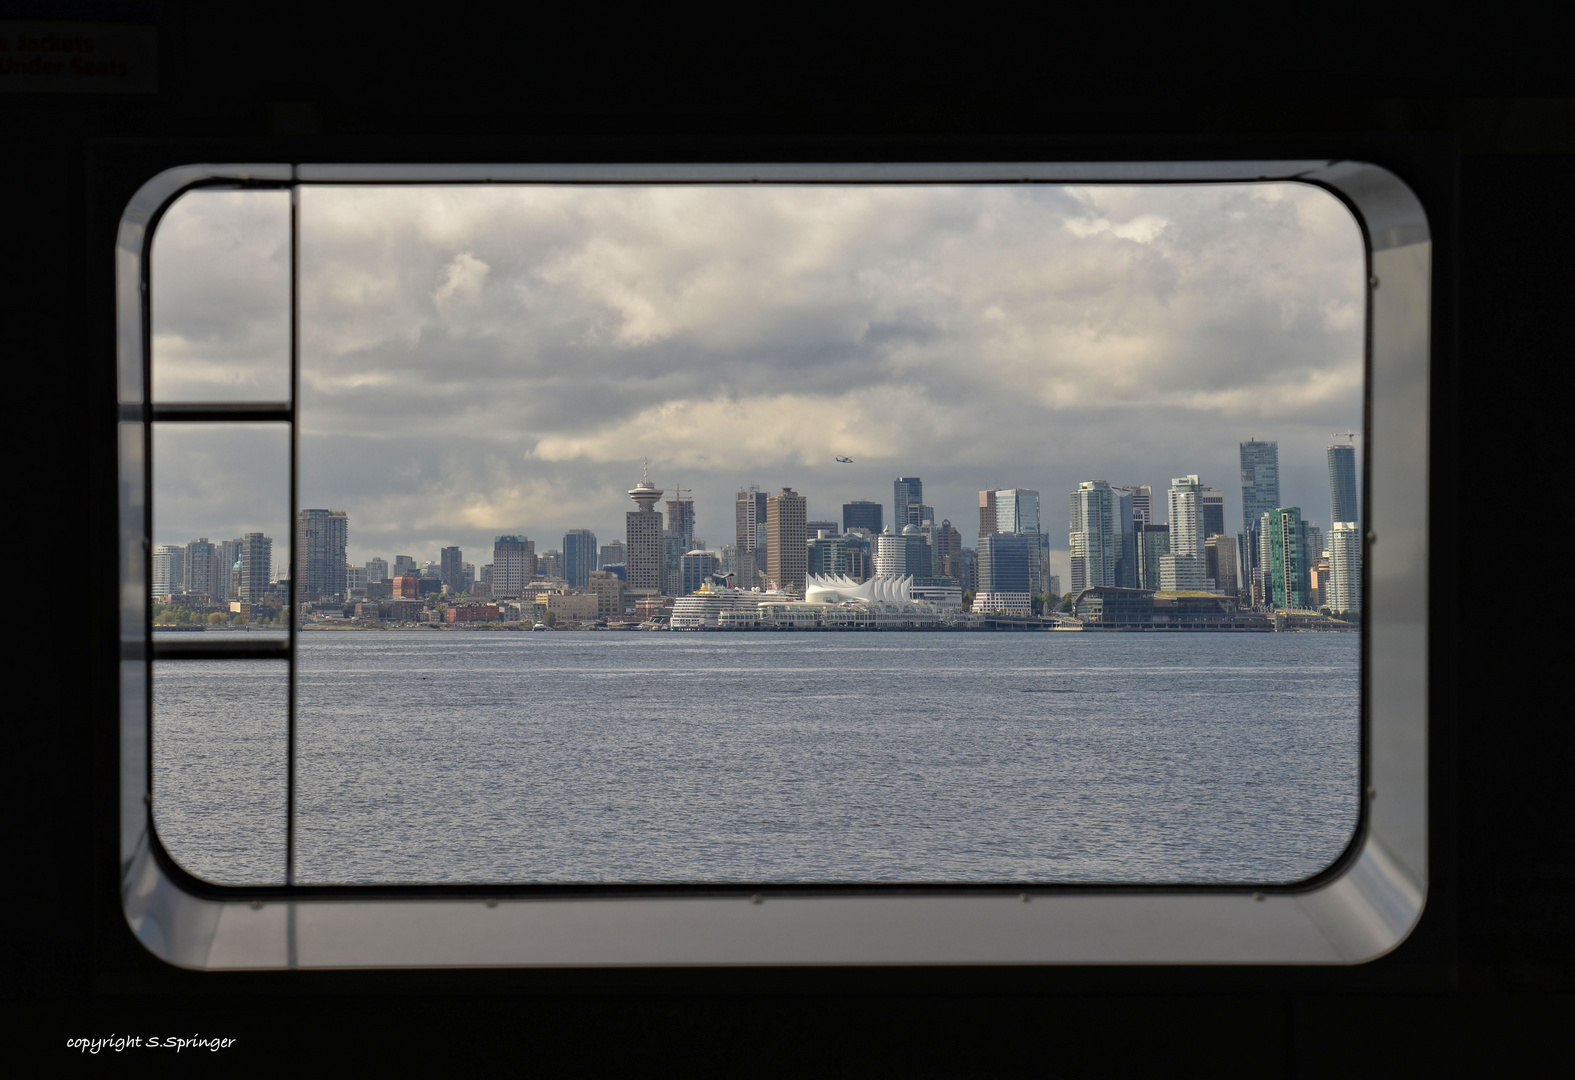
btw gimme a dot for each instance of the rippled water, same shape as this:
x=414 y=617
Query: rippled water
x=517 y=757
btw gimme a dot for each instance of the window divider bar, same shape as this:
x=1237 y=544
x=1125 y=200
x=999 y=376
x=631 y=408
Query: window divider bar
x=294 y=601
x=207 y=412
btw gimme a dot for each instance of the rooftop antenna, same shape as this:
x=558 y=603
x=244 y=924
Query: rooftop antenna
x=645 y=472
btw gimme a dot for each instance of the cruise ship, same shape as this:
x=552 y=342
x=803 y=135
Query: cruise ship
x=703 y=609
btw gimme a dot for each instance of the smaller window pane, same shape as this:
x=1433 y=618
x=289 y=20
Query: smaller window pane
x=220 y=296
x=219 y=766
x=221 y=536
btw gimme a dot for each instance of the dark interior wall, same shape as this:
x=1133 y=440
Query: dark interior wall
x=1479 y=116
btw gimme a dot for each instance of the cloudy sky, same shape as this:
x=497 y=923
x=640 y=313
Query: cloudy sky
x=478 y=360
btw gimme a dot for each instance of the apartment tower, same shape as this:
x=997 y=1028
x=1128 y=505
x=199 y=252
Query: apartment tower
x=1184 y=568
x=321 y=537
x=787 y=542
x=513 y=566
x=749 y=521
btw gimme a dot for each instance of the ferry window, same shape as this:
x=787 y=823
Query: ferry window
x=1094 y=683
x=699 y=534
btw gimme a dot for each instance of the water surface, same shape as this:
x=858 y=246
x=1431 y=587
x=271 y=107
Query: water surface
x=743 y=757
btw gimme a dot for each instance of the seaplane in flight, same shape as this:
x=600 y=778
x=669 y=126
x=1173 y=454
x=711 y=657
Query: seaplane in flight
x=845 y=460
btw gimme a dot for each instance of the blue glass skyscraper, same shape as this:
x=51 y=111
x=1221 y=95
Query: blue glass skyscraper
x=579 y=556
x=1342 y=485
x=1260 y=479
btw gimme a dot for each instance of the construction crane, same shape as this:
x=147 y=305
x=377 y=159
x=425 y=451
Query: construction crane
x=1350 y=436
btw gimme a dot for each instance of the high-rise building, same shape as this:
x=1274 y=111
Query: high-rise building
x=815 y=528
x=1219 y=559
x=696 y=569
x=860 y=555
x=1153 y=541
x=919 y=557
x=1123 y=537
x=608 y=590
x=168 y=568
x=828 y=554
x=1345 y=567
x=1077 y=562
x=321 y=537
x=1093 y=554
x=787 y=543
x=549 y=565
x=862 y=514
x=451 y=568
x=643 y=538
x=1264 y=580
x=1312 y=545
x=681 y=515
x=201 y=571
x=749 y=518
x=404 y=564
x=1017 y=511
x=906 y=491
x=949 y=553
x=1184 y=567
x=673 y=551
x=610 y=553
x=1006 y=573
x=355 y=579
x=513 y=566
x=678 y=538
x=1213 y=503
x=987 y=518
x=579 y=556
x=1260 y=479
x=891 y=555
x=227 y=555
x=377 y=570
x=1287 y=559
x=1142 y=503
x=1343 y=505
x=256 y=559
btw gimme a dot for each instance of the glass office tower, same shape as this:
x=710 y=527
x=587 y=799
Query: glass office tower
x=1260 y=479
x=1342 y=484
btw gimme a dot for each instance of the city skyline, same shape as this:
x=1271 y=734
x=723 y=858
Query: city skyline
x=1106 y=526
x=477 y=364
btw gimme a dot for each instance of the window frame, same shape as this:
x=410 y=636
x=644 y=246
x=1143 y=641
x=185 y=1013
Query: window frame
x=1358 y=909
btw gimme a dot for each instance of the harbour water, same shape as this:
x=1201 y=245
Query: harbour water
x=767 y=757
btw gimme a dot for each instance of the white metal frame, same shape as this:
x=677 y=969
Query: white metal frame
x=1361 y=910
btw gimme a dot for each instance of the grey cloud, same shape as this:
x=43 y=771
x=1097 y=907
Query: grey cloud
x=1037 y=336
x=222 y=481
x=220 y=298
